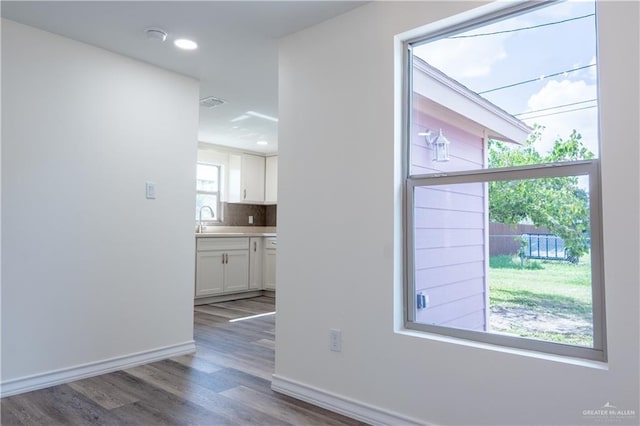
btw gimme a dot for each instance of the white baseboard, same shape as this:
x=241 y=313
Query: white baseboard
x=340 y=404
x=69 y=374
x=227 y=297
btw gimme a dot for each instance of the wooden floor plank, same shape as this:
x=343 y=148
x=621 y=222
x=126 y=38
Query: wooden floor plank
x=196 y=363
x=165 y=405
x=102 y=393
x=284 y=410
x=64 y=405
x=226 y=382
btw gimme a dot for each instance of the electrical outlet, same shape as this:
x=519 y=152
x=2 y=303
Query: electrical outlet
x=250 y=220
x=335 y=340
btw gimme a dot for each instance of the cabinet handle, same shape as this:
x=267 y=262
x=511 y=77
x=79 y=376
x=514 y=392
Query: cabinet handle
x=223 y=258
x=226 y=258
x=254 y=246
x=245 y=194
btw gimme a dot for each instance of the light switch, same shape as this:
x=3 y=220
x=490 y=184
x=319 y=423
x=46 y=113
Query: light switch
x=150 y=189
x=250 y=220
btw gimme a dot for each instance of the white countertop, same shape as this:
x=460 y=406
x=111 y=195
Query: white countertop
x=237 y=231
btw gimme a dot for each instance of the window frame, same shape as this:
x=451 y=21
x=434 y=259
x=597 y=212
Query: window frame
x=590 y=168
x=218 y=207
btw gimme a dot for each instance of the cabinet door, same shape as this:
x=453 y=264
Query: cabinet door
x=269 y=279
x=252 y=177
x=209 y=273
x=255 y=263
x=236 y=272
x=271 y=180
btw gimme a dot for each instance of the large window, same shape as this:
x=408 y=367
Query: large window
x=208 y=192
x=503 y=234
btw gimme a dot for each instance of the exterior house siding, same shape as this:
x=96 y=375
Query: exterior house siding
x=449 y=222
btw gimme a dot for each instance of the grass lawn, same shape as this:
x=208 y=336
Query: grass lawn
x=546 y=300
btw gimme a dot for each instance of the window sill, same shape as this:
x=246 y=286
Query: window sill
x=586 y=363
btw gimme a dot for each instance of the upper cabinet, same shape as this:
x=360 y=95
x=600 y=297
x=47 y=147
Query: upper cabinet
x=271 y=180
x=246 y=178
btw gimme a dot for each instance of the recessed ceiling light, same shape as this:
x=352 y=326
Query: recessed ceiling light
x=262 y=143
x=185 y=44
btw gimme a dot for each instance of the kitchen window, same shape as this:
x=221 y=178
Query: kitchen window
x=208 y=192
x=503 y=241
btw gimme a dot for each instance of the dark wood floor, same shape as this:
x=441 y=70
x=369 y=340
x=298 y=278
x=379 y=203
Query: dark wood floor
x=227 y=382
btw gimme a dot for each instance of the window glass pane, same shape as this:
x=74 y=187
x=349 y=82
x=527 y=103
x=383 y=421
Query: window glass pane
x=207 y=200
x=207 y=178
x=528 y=81
x=508 y=257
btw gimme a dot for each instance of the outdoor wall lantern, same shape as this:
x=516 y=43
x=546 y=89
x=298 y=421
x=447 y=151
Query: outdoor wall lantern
x=438 y=143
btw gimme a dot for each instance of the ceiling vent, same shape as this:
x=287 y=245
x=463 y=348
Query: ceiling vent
x=211 y=102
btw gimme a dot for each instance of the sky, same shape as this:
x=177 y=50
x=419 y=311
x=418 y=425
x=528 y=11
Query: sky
x=486 y=62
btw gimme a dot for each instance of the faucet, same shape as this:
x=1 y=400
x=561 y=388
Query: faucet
x=200 y=216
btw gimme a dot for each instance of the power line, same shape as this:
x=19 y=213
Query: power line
x=537 y=79
x=560 y=112
x=555 y=107
x=523 y=28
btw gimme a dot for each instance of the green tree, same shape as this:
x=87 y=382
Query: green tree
x=558 y=203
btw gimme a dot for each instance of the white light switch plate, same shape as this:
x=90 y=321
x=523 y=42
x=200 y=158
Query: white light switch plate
x=150 y=190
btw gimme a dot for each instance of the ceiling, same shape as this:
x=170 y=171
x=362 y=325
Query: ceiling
x=236 y=59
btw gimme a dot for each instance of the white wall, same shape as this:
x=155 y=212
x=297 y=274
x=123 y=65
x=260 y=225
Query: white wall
x=91 y=270
x=341 y=269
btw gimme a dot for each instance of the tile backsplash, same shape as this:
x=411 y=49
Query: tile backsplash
x=272 y=212
x=238 y=214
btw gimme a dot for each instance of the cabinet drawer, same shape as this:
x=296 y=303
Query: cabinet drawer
x=270 y=243
x=216 y=243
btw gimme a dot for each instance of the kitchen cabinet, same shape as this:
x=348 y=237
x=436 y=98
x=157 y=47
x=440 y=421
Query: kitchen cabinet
x=246 y=178
x=269 y=270
x=256 y=254
x=271 y=180
x=222 y=266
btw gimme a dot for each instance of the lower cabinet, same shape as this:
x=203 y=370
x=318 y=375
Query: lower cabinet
x=222 y=266
x=209 y=273
x=256 y=248
x=269 y=267
x=226 y=265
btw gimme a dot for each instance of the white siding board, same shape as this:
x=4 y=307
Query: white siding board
x=436 y=198
x=472 y=321
x=443 y=295
x=431 y=218
x=425 y=258
x=433 y=238
x=452 y=312
x=446 y=275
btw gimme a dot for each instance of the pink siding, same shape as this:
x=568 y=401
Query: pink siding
x=448 y=275
x=472 y=321
x=466 y=150
x=432 y=218
x=432 y=238
x=449 y=234
x=439 y=197
x=456 y=312
x=445 y=256
x=443 y=295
